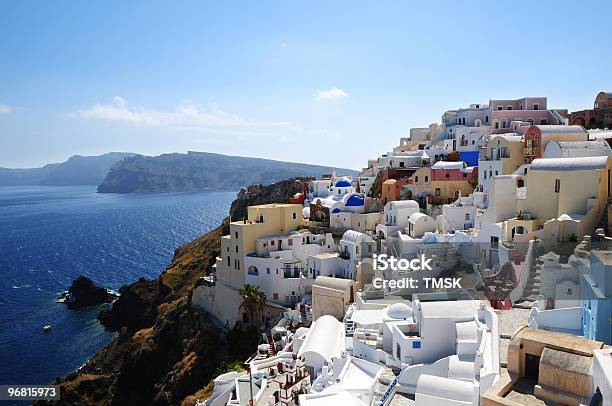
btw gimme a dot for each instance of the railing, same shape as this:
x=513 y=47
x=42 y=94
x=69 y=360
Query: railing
x=388 y=395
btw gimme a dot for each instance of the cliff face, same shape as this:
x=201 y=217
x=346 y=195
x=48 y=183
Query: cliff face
x=77 y=170
x=197 y=171
x=263 y=194
x=165 y=352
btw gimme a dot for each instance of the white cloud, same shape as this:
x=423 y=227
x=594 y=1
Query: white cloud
x=284 y=44
x=5 y=109
x=187 y=116
x=332 y=94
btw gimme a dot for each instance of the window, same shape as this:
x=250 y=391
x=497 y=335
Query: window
x=416 y=179
x=500 y=108
x=290 y=242
x=465 y=175
x=426 y=179
x=268 y=271
x=543 y=122
x=456 y=194
x=437 y=191
x=496 y=173
x=294 y=216
x=509 y=108
x=253 y=271
x=401 y=164
x=274 y=296
x=496 y=125
x=557 y=185
x=487 y=119
x=467 y=216
x=236 y=248
x=228 y=260
x=447 y=175
x=536 y=106
x=485 y=174
x=236 y=234
x=272 y=242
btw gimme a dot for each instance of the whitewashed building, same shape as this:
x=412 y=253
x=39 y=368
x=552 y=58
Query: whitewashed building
x=396 y=216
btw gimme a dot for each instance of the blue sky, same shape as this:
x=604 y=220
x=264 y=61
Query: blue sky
x=321 y=82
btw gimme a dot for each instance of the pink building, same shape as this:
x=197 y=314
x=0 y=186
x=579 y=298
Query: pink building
x=530 y=110
x=453 y=171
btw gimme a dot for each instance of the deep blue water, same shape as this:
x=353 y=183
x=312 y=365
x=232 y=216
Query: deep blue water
x=50 y=235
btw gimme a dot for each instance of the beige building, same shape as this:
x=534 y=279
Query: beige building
x=545 y=367
x=421 y=183
x=331 y=296
x=419 y=138
x=508 y=149
x=564 y=196
x=222 y=300
x=503 y=155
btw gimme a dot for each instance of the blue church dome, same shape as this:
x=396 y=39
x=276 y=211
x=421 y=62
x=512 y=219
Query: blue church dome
x=355 y=200
x=336 y=210
x=342 y=182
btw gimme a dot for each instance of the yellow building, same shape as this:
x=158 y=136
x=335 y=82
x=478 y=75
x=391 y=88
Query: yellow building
x=262 y=220
x=564 y=196
x=222 y=300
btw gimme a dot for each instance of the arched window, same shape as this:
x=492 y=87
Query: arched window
x=253 y=270
x=496 y=124
x=467 y=216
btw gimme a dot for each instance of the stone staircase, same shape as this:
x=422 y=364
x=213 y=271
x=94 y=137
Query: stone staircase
x=603 y=220
x=384 y=381
x=532 y=288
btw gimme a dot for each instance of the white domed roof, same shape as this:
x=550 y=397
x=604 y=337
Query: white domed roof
x=399 y=311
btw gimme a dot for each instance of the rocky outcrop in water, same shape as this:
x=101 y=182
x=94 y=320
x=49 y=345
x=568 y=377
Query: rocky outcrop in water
x=85 y=293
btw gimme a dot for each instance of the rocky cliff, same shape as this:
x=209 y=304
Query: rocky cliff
x=165 y=352
x=263 y=194
x=77 y=170
x=198 y=171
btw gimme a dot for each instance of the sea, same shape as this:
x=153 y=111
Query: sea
x=51 y=235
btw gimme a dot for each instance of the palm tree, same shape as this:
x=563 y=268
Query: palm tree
x=253 y=301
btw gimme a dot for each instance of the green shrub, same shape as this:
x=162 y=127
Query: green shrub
x=572 y=237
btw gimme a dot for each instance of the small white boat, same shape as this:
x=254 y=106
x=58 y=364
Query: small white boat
x=47 y=328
